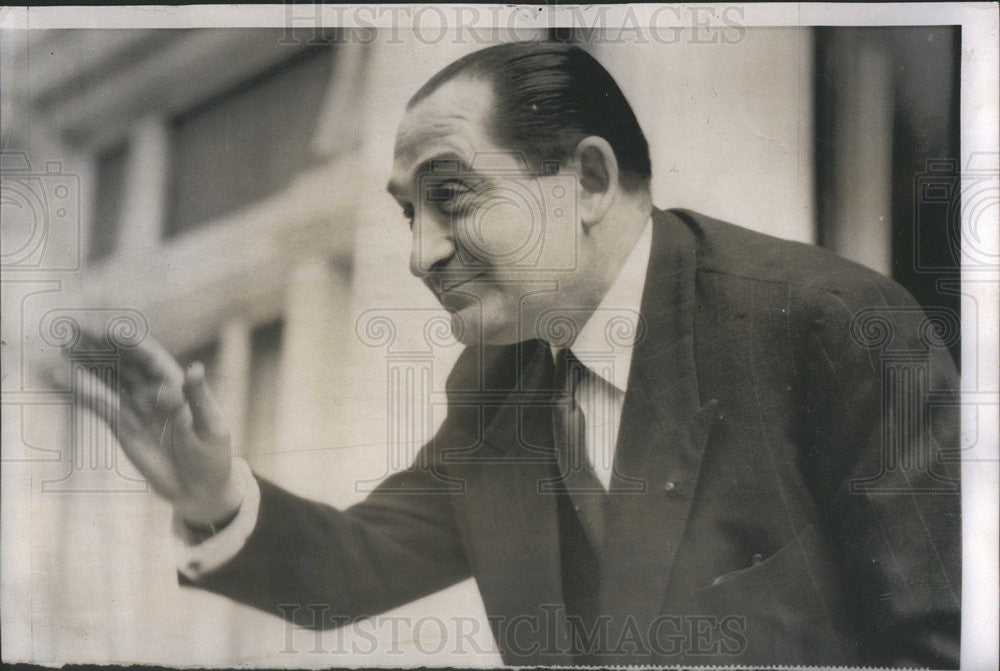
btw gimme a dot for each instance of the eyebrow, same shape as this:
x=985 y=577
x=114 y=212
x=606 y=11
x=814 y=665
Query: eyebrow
x=447 y=162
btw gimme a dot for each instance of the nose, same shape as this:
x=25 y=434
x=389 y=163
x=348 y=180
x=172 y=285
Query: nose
x=431 y=247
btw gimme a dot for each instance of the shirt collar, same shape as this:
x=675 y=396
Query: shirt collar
x=605 y=343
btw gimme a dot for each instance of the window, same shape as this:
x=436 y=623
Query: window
x=262 y=395
x=106 y=222
x=247 y=143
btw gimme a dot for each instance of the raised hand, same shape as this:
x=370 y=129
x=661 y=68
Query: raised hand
x=171 y=428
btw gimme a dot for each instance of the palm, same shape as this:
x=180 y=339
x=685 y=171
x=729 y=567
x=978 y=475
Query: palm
x=169 y=426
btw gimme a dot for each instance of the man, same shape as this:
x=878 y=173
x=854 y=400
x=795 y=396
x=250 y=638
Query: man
x=669 y=440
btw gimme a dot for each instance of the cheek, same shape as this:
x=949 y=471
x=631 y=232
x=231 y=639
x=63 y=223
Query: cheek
x=502 y=233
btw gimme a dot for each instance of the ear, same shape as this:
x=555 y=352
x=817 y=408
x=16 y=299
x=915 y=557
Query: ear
x=598 y=172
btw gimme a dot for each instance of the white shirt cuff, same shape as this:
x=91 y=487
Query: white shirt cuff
x=195 y=560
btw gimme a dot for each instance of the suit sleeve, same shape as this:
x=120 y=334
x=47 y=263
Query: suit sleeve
x=196 y=556
x=882 y=462
x=321 y=567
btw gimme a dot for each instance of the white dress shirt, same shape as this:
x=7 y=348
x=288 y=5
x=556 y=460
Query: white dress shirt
x=194 y=560
x=604 y=345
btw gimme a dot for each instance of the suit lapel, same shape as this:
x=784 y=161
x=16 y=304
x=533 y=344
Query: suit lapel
x=662 y=435
x=513 y=527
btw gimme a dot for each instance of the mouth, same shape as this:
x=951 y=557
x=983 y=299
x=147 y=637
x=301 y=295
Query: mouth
x=454 y=285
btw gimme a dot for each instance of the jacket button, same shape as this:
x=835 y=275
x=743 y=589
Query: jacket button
x=669 y=486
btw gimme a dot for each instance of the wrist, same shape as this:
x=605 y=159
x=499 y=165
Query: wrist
x=215 y=512
x=199 y=533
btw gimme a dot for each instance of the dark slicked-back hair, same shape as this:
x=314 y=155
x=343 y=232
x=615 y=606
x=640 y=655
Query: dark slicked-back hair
x=548 y=97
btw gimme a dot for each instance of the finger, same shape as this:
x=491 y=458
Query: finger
x=146 y=397
x=92 y=393
x=148 y=375
x=98 y=395
x=155 y=400
x=207 y=417
x=148 y=358
x=135 y=437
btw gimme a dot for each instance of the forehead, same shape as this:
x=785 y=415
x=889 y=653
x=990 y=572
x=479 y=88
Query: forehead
x=452 y=120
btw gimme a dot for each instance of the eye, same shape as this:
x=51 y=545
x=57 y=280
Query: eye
x=408 y=214
x=451 y=197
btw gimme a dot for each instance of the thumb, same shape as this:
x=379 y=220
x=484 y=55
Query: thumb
x=209 y=422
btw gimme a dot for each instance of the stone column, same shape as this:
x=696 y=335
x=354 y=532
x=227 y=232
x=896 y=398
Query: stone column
x=310 y=372
x=145 y=187
x=858 y=223
x=232 y=375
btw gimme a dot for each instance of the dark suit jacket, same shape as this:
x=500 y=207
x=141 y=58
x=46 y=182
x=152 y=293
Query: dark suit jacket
x=785 y=487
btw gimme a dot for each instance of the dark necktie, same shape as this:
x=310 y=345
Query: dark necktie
x=585 y=490
x=581 y=506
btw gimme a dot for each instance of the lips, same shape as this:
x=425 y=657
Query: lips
x=454 y=285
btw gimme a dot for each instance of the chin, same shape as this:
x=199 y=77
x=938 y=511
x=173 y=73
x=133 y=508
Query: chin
x=470 y=328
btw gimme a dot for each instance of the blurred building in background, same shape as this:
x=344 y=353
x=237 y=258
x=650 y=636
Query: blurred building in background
x=225 y=187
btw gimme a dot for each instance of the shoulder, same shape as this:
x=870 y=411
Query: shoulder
x=812 y=295
x=732 y=250
x=808 y=275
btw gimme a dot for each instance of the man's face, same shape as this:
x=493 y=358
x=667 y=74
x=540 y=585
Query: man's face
x=495 y=243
